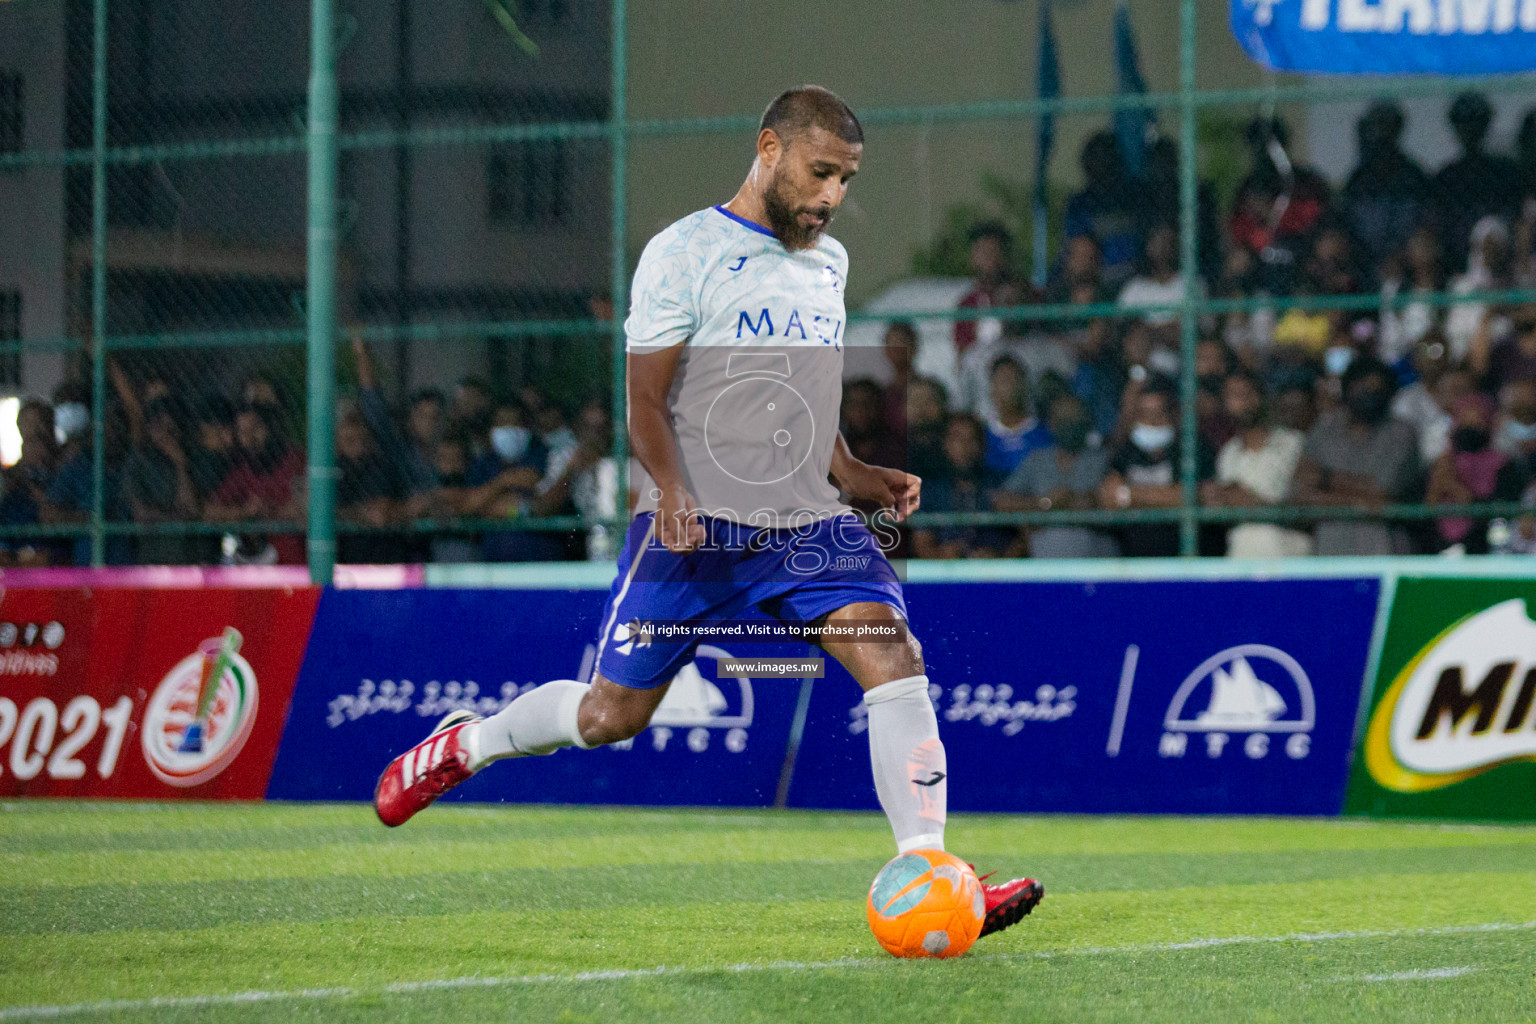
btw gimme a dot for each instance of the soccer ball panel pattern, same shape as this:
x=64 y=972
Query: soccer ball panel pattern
x=926 y=903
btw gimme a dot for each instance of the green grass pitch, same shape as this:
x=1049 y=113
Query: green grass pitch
x=147 y=912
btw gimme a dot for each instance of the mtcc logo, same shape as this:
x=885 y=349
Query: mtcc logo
x=201 y=714
x=1461 y=706
x=1252 y=691
x=697 y=702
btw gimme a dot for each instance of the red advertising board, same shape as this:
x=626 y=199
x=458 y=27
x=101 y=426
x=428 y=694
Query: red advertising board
x=164 y=694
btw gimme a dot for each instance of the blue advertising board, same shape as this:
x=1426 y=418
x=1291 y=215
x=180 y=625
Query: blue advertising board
x=1223 y=696
x=1231 y=697
x=383 y=666
x=1389 y=37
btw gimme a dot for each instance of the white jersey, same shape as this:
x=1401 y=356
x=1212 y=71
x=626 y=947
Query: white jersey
x=755 y=402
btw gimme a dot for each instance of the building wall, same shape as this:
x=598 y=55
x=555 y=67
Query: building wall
x=32 y=199
x=686 y=58
x=1426 y=135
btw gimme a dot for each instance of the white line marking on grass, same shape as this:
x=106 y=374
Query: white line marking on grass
x=166 y=1002
x=1422 y=974
x=632 y=974
x=1430 y=974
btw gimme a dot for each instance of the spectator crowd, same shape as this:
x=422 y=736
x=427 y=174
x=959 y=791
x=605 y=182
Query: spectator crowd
x=1393 y=397
x=231 y=467
x=1389 y=397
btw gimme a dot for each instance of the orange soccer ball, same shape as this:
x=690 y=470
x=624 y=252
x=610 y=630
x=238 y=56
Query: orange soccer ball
x=926 y=903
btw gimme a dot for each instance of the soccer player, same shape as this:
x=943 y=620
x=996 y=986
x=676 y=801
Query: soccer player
x=734 y=362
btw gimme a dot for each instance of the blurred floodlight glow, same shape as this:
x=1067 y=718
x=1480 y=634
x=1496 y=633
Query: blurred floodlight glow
x=10 y=435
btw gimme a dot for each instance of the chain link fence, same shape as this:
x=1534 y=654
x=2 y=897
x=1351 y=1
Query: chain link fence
x=1144 y=341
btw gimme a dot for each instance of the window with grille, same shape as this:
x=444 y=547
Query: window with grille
x=527 y=184
x=13 y=121
x=10 y=332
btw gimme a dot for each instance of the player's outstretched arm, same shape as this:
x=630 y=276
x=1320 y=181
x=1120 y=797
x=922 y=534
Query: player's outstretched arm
x=894 y=489
x=649 y=378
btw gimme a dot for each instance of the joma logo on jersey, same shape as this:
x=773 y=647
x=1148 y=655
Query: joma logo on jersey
x=1461 y=706
x=828 y=329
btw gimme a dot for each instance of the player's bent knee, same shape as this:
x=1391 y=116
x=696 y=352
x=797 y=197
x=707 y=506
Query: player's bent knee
x=904 y=658
x=915 y=652
x=602 y=724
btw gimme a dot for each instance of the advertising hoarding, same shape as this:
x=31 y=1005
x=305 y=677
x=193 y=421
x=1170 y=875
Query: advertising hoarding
x=1451 y=730
x=143 y=693
x=384 y=666
x=1230 y=697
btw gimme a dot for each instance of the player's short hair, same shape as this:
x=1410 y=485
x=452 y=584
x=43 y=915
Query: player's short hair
x=796 y=111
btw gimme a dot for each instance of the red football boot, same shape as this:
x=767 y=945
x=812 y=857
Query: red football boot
x=425 y=772
x=1009 y=902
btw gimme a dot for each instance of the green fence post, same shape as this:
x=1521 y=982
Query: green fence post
x=321 y=292
x=1189 y=526
x=99 y=283
x=619 y=141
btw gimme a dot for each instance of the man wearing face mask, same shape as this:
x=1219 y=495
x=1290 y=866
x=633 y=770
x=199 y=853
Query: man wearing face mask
x=70 y=418
x=502 y=485
x=1145 y=472
x=70 y=493
x=1472 y=471
x=1360 y=456
x=1065 y=475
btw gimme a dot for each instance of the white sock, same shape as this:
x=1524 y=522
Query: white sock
x=908 y=761
x=539 y=722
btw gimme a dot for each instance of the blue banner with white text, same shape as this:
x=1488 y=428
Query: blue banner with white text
x=384 y=666
x=1224 y=697
x=1232 y=696
x=1389 y=37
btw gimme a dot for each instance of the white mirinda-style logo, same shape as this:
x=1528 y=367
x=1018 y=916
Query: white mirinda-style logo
x=201 y=714
x=1461 y=706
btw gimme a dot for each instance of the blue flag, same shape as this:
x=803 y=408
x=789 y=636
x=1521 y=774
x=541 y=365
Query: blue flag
x=1415 y=37
x=1132 y=125
x=1047 y=87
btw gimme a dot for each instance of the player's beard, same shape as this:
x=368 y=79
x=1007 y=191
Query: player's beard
x=784 y=218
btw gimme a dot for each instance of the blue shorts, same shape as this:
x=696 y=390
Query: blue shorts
x=796 y=575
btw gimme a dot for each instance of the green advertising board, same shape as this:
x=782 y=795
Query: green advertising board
x=1451 y=730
